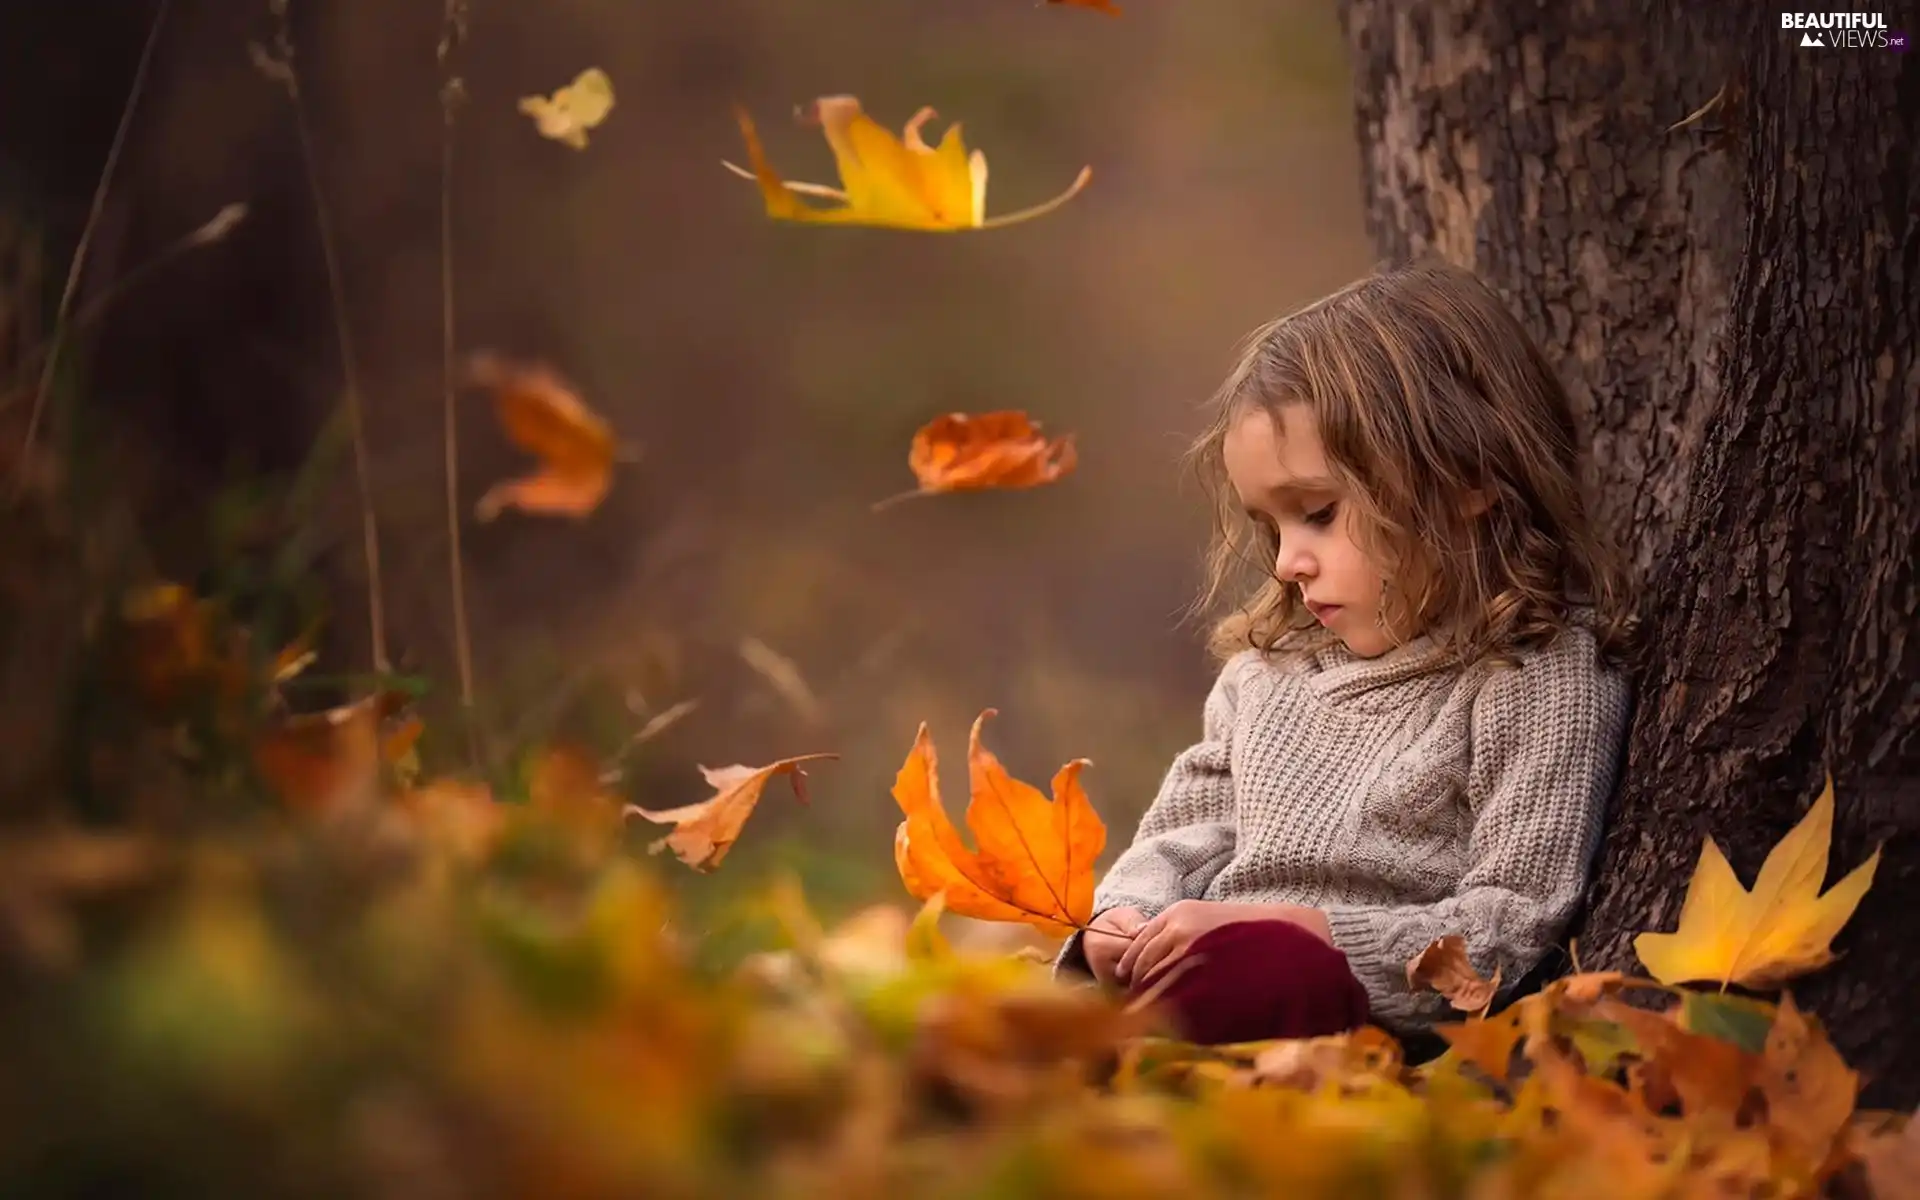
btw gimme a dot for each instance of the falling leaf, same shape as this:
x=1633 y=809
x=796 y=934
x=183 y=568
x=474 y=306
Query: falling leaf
x=566 y=115
x=704 y=832
x=1035 y=858
x=1781 y=929
x=899 y=183
x=544 y=416
x=1445 y=967
x=968 y=453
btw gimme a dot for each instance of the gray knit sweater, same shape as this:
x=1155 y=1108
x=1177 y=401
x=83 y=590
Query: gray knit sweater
x=1403 y=798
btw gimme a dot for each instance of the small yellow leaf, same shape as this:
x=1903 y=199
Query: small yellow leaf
x=1781 y=929
x=571 y=111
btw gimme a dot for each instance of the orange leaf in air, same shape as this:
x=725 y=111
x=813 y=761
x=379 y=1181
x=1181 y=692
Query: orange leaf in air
x=893 y=182
x=1035 y=858
x=704 y=832
x=544 y=416
x=959 y=452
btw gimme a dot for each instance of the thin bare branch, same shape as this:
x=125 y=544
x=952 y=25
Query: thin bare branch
x=78 y=265
x=453 y=34
x=279 y=65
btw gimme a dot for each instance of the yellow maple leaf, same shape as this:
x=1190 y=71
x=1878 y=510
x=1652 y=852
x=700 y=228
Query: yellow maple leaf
x=1779 y=930
x=566 y=115
x=899 y=183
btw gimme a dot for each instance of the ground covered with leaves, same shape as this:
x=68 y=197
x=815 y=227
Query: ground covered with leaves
x=437 y=991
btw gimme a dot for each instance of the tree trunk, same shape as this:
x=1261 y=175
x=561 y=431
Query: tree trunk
x=1733 y=305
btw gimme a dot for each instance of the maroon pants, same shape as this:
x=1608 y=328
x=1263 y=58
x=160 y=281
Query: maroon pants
x=1261 y=979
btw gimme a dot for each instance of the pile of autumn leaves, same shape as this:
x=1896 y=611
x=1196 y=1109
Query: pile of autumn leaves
x=417 y=986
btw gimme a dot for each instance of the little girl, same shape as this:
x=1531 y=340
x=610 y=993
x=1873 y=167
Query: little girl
x=1420 y=715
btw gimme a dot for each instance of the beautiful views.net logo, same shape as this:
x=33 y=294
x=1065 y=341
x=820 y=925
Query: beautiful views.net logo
x=1844 y=30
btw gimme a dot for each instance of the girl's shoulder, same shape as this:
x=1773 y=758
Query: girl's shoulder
x=1568 y=677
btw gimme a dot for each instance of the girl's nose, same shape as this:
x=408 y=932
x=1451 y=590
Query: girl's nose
x=1294 y=565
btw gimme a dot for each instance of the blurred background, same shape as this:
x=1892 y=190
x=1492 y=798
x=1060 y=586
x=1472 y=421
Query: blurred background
x=770 y=375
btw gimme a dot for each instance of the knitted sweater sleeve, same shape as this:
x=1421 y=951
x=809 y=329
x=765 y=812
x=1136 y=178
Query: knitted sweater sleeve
x=1187 y=834
x=1543 y=754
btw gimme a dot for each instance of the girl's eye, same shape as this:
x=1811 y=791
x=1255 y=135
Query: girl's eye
x=1322 y=517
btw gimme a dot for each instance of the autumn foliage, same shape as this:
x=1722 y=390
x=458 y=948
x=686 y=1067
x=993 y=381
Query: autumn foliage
x=371 y=981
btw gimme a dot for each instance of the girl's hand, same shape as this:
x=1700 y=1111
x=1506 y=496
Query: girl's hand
x=1160 y=942
x=1106 y=939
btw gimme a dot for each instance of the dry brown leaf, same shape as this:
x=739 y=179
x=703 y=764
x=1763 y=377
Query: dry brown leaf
x=546 y=417
x=1445 y=967
x=1003 y=450
x=324 y=762
x=704 y=832
x=1035 y=858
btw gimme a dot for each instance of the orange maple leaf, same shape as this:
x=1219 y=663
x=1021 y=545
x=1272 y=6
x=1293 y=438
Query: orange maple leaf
x=704 y=832
x=544 y=416
x=959 y=452
x=1035 y=858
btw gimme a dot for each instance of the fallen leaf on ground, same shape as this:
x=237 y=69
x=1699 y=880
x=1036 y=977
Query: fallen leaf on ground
x=899 y=183
x=1445 y=967
x=1035 y=858
x=322 y=762
x=546 y=417
x=704 y=832
x=959 y=452
x=571 y=111
x=1810 y=1090
x=1366 y=1055
x=1781 y=929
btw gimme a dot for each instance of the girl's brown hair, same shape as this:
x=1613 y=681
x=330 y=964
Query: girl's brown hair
x=1453 y=437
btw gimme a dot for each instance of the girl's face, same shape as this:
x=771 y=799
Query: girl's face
x=1279 y=469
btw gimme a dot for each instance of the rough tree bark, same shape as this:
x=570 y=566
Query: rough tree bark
x=1735 y=305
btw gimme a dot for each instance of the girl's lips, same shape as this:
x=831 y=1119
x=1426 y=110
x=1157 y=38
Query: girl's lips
x=1323 y=612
